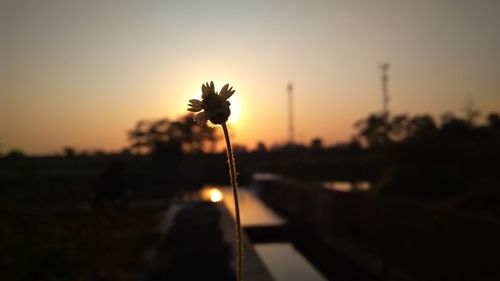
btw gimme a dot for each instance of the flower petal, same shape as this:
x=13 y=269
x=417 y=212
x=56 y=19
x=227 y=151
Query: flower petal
x=194 y=109
x=207 y=89
x=195 y=102
x=227 y=93
x=194 y=105
x=224 y=89
x=200 y=118
x=204 y=90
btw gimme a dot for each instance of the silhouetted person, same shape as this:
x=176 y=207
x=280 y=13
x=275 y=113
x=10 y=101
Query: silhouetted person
x=110 y=188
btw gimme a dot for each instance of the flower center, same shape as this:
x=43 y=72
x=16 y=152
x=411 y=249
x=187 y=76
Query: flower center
x=211 y=103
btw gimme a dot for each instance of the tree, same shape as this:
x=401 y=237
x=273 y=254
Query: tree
x=261 y=147
x=494 y=121
x=15 y=154
x=421 y=127
x=379 y=129
x=69 y=152
x=152 y=136
x=374 y=130
x=317 y=143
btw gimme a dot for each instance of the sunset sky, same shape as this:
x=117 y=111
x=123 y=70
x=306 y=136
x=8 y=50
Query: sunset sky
x=80 y=73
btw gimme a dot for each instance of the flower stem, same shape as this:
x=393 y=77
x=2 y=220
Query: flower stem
x=234 y=185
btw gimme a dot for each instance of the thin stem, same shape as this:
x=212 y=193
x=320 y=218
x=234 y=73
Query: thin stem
x=234 y=185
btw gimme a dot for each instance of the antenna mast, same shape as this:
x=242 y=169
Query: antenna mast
x=290 y=114
x=385 y=91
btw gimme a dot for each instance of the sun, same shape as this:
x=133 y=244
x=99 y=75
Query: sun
x=235 y=109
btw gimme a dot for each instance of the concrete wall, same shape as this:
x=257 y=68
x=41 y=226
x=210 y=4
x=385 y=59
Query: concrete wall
x=395 y=240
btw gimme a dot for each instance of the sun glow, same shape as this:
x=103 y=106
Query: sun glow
x=211 y=193
x=235 y=110
x=215 y=195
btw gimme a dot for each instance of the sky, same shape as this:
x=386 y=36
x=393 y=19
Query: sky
x=81 y=73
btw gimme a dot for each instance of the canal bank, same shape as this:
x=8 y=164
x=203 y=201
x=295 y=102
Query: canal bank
x=272 y=238
x=390 y=239
x=198 y=245
x=196 y=227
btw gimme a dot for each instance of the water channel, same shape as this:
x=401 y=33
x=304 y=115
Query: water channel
x=283 y=261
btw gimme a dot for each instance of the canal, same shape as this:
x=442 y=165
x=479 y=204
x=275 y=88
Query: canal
x=282 y=259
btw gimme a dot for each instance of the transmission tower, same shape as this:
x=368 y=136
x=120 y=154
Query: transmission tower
x=290 y=114
x=385 y=91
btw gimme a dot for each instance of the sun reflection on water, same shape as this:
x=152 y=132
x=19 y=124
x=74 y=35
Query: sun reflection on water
x=215 y=195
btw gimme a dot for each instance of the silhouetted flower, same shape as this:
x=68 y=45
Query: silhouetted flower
x=214 y=105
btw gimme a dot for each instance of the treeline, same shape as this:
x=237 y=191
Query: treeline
x=415 y=157
x=420 y=158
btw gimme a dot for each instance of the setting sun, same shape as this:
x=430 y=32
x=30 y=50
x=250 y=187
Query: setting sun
x=235 y=110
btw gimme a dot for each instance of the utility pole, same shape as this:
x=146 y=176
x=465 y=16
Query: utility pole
x=385 y=91
x=290 y=114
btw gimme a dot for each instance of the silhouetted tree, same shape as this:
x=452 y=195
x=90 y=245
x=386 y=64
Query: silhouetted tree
x=317 y=143
x=261 y=147
x=453 y=127
x=418 y=158
x=69 y=152
x=398 y=127
x=153 y=136
x=15 y=154
x=374 y=130
x=239 y=148
x=420 y=127
x=494 y=121
x=380 y=129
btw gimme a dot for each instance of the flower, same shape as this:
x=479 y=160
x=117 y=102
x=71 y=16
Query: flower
x=214 y=105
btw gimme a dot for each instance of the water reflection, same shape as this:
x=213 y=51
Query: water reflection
x=209 y=193
x=347 y=186
x=215 y=195
x=253 y=211
x=265 y=176
x=282 y=260
x=286 y=264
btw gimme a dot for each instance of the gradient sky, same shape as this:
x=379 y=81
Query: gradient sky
x=80 y=73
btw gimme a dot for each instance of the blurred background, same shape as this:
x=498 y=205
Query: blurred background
x=367 y=139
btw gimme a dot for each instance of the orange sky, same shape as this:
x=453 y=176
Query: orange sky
x=81 y=73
